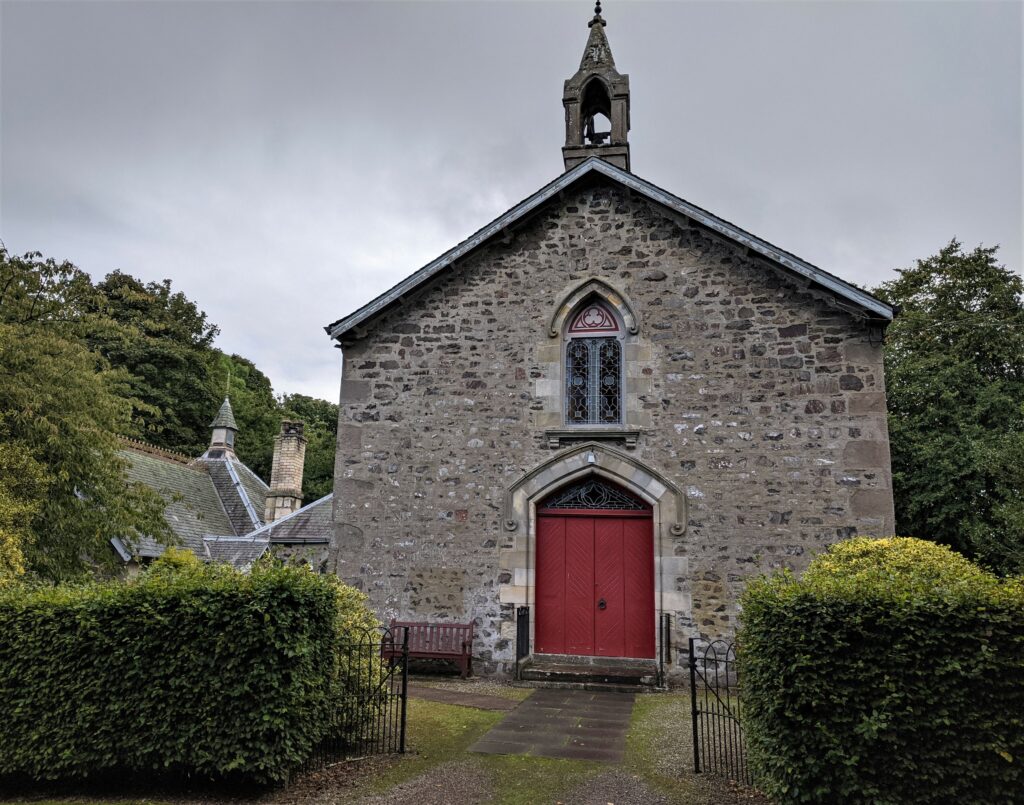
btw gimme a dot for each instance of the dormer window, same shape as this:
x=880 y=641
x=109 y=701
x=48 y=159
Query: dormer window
x=593 y=367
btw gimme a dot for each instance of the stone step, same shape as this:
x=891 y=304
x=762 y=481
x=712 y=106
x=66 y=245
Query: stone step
x=594 y=687
x=586 y=660
x=575 y=674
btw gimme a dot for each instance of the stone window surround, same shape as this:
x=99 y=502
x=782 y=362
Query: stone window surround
x=550 y=388
x=517 y=556
x=567 y=341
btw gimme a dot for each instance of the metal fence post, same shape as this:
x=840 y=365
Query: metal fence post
x=522 y=635
x=693 y=708
x=405 y=686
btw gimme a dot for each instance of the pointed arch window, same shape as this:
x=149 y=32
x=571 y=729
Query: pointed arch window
x=593 y=367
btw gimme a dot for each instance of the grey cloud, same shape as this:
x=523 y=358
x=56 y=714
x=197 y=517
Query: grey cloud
x=285 y=162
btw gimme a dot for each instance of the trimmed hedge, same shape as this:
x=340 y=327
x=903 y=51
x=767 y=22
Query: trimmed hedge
x=892 y=672
x=190 y=669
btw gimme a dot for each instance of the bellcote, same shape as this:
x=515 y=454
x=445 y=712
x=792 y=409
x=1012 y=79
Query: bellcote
x=596 y=101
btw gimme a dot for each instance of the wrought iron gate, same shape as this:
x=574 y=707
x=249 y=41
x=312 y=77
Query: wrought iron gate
x=370 y=698
x=717 y=712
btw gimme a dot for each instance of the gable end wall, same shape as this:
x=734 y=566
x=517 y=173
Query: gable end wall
x=753 y=394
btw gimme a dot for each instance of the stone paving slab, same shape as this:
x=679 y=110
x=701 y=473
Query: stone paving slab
x=481 y=701
x=575 y=724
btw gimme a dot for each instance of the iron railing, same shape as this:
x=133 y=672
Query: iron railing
x=664 y=646
x=716 y=705
x=522 y=635
x=370 y=695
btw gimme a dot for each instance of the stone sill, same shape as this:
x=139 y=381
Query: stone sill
x=556 y=438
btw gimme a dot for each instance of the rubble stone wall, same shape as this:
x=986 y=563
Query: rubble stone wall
x=760 y=399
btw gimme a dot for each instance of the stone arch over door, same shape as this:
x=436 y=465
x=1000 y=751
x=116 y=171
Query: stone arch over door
x=517 y=556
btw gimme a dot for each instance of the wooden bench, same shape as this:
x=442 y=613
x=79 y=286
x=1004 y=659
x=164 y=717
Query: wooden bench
x=433 y=641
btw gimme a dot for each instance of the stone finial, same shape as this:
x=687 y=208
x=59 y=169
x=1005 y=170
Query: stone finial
x=598 y=20
x=598 y=53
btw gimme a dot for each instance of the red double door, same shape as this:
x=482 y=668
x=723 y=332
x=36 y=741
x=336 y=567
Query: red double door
x=595 y=583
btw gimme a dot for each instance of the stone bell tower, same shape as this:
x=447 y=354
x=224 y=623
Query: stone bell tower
x=596 y=99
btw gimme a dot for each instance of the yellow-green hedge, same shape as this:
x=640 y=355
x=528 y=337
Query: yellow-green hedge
x=190 y=669
x=891 y=672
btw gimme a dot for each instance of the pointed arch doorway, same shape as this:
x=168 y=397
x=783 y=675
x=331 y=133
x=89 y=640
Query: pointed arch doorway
x=594 y=572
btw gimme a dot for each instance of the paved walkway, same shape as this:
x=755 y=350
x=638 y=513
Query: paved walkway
x=574 y=724
x=481 y=701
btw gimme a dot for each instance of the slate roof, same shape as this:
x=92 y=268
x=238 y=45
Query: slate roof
x=242 y=494
x=194 y=508
x=310 y=525
x=239 y=552
x=851 y=294
x=204 y=496
x=225 y=416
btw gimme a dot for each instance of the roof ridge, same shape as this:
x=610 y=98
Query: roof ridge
x=787 y=260
x=151 y=449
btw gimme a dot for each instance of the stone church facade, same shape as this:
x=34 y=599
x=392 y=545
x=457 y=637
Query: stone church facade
x=606 y=405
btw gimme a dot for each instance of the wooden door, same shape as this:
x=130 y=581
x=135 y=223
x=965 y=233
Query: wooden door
x=595 y=583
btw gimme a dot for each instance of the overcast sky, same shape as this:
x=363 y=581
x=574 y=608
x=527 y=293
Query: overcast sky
x=283 y=163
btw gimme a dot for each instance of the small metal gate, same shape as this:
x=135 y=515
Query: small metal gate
x=370 y=698
x=717 y=712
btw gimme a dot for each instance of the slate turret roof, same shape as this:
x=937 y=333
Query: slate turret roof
x=225 y=416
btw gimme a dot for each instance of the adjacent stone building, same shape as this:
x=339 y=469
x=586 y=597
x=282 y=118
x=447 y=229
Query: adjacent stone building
x=221 y=510
x=606 y=405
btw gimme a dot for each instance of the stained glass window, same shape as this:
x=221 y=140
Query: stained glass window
x=593 y=369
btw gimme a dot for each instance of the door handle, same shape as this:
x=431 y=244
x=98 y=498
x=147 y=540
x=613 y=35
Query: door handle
x=602 y=604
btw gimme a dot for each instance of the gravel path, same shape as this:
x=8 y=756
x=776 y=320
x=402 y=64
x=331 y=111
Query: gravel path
x=667 y=736
x=615 y=787
x=457 y=782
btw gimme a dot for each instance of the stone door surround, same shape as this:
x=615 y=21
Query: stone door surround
x=517 y=557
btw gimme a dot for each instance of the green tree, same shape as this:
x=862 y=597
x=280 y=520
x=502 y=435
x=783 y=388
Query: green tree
x=954 y=362
x=257 y=411
x=321 y=420
x=63 y=491
x=164 y=341
x=23 y=488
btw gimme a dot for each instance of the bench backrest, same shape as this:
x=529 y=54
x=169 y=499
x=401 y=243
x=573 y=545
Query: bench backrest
x=443 y=638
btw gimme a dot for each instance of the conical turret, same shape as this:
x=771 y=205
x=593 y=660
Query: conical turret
x=224 y=429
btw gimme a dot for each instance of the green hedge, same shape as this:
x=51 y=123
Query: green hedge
x=189 y=669
x=892 y=672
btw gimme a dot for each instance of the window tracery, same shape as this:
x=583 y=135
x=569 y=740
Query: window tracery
x=593 y=368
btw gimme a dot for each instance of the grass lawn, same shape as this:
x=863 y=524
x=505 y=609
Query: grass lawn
x=438 y=769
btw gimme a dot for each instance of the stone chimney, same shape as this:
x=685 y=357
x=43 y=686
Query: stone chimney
x=285 y=495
